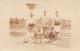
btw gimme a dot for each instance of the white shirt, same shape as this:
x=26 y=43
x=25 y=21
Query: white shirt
x=58 y=27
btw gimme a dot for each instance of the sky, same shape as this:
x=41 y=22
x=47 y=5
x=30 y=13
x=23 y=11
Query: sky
x=13 y=8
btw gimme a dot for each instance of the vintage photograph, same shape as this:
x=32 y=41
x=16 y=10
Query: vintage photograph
x=39 y=25
x=41 y=29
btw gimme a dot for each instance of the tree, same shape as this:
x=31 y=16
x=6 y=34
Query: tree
x=16 y=20
x=11 y=20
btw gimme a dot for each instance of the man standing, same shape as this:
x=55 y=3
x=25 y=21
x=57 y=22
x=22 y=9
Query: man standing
x=57 y=26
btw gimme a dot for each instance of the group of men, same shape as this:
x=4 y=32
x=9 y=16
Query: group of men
x=40 y=34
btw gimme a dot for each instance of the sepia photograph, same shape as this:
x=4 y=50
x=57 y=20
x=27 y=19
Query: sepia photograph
x=39 y=25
